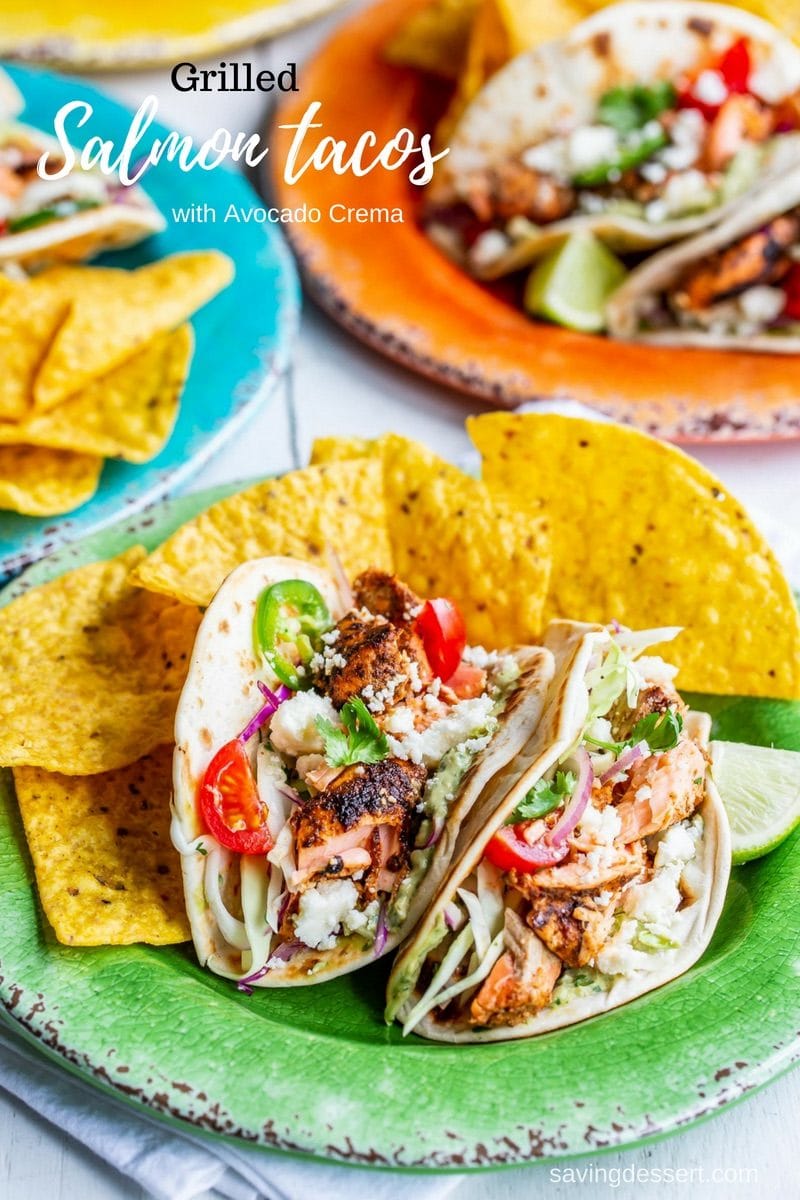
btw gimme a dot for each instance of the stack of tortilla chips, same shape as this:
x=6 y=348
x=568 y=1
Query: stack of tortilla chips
x=571 y=518
x=94 y=361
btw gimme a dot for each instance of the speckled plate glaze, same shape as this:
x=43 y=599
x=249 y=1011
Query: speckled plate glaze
x=316 y=1071
x=121 y=37
x=390 y=286
x=243 y=337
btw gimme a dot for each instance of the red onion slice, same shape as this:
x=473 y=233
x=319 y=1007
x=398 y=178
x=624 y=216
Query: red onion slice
x=575 y=806
x=437 y=828
x=381 y=933
x=284 y=952
x=625 y=760
x=274 y=701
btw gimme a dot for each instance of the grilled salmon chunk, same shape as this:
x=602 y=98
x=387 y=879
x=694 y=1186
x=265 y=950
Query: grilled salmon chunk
x=520 y=982
x=574 y=927
x=372 y=653
x=384 y=595
x=360 y=825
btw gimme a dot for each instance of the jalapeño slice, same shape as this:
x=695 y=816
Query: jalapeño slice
x=290 y=618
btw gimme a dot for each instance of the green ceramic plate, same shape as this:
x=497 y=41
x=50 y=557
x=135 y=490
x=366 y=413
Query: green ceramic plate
x=316 y=1070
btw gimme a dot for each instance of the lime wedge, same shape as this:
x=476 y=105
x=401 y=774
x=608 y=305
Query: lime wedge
x=572 y=283
x=760 y=789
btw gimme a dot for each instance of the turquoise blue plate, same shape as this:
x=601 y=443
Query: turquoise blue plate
x=244 y=336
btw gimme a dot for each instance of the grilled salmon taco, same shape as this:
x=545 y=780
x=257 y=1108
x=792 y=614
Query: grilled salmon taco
x=56 y=220
x=602 y=871
x=736 y=286
x=330 y=741
x=647 y=123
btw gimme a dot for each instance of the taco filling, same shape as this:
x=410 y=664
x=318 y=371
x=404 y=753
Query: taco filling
x=336 y=793
x=594 y=876
x=747 y=288
x=656 y=151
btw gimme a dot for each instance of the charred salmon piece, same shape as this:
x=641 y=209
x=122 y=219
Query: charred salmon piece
x=335 y=831
x=580 y=874
x=520 y=982
x=513 y=190
x=657 y=698
x=372 y=653
x=384 y=595
x=759 y=258
x=573 y=926
x=662 y=789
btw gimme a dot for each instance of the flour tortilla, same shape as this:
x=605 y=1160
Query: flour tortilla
x=219 y=698
x=557 y=86
x=573 y=645
x=661 y=272
x=84 y=235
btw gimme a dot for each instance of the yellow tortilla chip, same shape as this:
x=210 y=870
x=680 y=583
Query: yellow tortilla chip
x=90 y=670
x=643 y=534
x=127 y=414
x=450 y=537
x=337 y=449
x=106 y=871
x=111 y=319
x=29 y=318
x=44 y=483
x=340 y=505
x=435 y=38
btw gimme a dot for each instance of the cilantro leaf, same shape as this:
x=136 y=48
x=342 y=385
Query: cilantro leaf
x=543 y=797
x=361 y=740
x=661 y=730
x=628 y=108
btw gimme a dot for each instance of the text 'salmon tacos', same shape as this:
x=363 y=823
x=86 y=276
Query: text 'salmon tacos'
x=329 y=744
x=46 y=221
x=601 y=872
x=736 y=286
x=647 y=123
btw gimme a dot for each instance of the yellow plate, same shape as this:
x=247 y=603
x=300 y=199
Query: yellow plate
x=120 y=36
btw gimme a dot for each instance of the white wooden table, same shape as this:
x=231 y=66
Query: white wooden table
x=339 y=387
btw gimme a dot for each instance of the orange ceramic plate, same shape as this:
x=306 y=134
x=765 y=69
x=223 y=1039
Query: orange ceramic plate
x=392 y=288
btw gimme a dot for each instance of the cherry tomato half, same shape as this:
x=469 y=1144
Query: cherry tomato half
x=230 y=806
x=508 y=851
x=791 y=286
x=735 y=66
x=467 y=681
x=441 y=627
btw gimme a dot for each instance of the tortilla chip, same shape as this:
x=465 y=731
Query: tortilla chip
x=302 y=514
x=643 y=534
x=29 y=318
x=43 y=483
x=105 y=868
x=450 y=537
x=111 y=318
x=435 y=38
x=90 y=670
x=127 y=414
x=338 y=449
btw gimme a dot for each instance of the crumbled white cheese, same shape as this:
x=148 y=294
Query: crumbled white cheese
x=550 y=156
x=293 y=729
x=328 y=908
x=488 y=247
x=653 y=172
x=688 y=191
x=762 y=304
x=590 y=146
x=602 y=825
x=710 y=88
x=687 y=138
x=468 y=719
x=378 y=701
x=399 y=722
